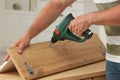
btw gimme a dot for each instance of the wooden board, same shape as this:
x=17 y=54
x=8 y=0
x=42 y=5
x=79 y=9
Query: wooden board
x=7 y=66
x=85 y=72
x=43 y=60
x=74 y=74
x=11 y=75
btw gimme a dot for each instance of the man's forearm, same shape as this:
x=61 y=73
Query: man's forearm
x=47 y=16
x=107 y=17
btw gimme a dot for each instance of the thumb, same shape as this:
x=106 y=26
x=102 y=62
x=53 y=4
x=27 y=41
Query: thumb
x=6 y=57
x=21 y=48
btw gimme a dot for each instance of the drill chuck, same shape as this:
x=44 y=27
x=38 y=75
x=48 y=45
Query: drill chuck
x=53 y=40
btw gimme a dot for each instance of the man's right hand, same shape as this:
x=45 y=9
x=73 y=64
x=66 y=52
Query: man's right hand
x=22 y=43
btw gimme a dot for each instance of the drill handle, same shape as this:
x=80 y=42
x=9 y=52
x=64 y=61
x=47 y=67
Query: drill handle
x=85 y=35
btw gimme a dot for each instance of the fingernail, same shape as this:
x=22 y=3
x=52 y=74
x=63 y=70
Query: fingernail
x=20 y=51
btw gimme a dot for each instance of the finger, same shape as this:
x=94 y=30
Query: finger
x=79 y=32
x=76 y=30
x=16 y=44
x=6 y=58
x=71 y=26
x=81 y=29
x=21 y=48
x=85 y=28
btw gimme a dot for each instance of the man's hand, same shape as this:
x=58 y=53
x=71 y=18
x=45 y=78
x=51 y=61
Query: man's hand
x=22 y=43
x=80 y=24
x=6 y=57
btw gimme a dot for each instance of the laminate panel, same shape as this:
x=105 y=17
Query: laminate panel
x=39 y=60
x=81 y=73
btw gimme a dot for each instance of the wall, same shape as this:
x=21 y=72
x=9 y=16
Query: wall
x=20 y=4
x=13 y=24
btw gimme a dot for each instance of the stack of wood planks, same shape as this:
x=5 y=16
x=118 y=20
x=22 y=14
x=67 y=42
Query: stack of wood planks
x=64 y=60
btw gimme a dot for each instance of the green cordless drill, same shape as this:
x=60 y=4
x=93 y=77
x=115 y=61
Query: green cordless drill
x=62 y=32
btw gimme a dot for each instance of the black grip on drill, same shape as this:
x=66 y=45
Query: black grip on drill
x=87 y=34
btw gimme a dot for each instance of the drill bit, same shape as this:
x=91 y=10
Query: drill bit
x=50 y=44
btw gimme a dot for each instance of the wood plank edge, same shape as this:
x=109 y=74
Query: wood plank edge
x=19 y=70
x=7 y=66
x=84 y=76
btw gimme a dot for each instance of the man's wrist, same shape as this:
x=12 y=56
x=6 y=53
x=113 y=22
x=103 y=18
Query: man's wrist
x=28 y=36
x=92 y=18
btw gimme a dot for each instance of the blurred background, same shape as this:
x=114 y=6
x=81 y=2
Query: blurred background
x=17 y=15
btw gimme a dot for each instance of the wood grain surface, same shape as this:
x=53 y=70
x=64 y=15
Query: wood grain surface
x=88 y=71
x=61 y=56
x=7 y=66
x=10 y=75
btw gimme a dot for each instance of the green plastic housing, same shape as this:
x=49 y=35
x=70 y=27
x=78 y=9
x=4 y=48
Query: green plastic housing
x=65 y=33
